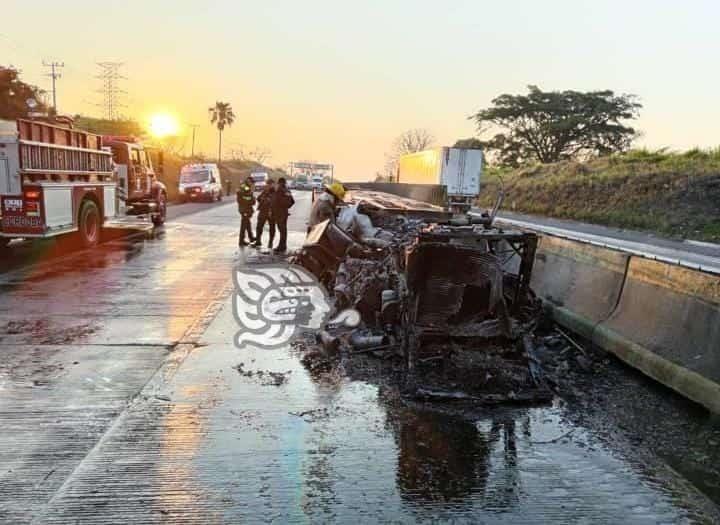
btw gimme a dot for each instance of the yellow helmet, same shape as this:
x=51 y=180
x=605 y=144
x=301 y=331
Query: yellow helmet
x=337 y=189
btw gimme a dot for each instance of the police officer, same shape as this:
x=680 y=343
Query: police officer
x=264 y=202
x=282 y=201
x=245 y=201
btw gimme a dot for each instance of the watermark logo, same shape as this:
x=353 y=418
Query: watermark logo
x=274 y=303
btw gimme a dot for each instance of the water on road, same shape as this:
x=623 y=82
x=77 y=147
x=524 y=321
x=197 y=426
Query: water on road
x=123 y=399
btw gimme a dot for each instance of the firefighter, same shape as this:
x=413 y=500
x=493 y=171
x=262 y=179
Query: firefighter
x=326 y=204
x=245 y=200
x=282 y=201
x=264 y=202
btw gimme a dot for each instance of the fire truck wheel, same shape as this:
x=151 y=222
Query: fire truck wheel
x=89 y=224
x=159 y=217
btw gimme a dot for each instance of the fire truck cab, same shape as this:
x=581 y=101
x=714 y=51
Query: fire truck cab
x=139 y=189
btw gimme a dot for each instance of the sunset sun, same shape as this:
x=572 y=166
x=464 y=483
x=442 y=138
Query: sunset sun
x=163 y=125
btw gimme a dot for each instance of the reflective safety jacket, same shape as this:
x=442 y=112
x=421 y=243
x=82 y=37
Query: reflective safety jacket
x=245 y=199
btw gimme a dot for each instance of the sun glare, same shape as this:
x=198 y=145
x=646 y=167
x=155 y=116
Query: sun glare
x=163 y=125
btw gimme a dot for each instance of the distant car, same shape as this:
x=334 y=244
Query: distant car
x=200 y=182
x=317 y=183
x=259 y=180
x=302 y=183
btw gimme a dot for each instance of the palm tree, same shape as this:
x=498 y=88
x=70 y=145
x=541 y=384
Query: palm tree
x=221 y=114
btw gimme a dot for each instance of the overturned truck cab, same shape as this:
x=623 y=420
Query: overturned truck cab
x=468 y=289
x=452 y=300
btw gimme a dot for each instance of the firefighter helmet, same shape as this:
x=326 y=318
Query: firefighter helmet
x=336 y=189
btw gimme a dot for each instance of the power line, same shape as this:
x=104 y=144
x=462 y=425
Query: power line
x=54 y=74
x=71 y=68
x=112 y=94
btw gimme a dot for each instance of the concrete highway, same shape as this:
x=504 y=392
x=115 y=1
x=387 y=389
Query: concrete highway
x=124 y=400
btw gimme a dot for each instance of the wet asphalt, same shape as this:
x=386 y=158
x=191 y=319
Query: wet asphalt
x=121 y=402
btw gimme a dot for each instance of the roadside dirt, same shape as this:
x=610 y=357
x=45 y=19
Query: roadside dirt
x=620 y=404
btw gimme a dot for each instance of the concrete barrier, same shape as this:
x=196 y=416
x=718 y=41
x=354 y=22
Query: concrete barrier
x=667 y=324
x=581 y=281
x=658 y=317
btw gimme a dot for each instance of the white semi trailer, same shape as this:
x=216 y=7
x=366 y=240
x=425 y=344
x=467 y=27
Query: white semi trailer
x=458 y=169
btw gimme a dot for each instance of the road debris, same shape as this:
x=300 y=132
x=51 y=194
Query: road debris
x=264 y=377
x=447 y=299
x=571 y=341
x=554 y=440
x=44 y=332
x=163 y=398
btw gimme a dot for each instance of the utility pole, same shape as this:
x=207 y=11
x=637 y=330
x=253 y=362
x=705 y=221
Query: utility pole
x=194 y=127
x=54 y=74
x=110 y=77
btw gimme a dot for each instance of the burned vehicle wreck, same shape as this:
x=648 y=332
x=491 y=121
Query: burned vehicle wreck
x=448 y=297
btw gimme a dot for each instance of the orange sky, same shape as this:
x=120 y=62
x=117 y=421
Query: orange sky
x=337 y=81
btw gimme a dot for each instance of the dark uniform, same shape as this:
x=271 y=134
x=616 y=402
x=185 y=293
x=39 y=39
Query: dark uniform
x=282 y=201
x=245 y=201
x=264 y=202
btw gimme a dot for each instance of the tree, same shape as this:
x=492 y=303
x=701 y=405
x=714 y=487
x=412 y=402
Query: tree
x=14 y=95
x=548 y=126
x=103 y=126
x=471 y=143
x=221 y=114
x=260 y=155
x=410 y=141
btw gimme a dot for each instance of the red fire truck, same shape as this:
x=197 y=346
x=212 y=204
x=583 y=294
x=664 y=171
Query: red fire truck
x=57 y=180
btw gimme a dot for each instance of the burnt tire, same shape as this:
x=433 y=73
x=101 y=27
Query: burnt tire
x=159 y=217
x=89 y=224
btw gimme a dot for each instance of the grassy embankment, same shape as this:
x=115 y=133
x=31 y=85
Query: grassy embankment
x=671 y=194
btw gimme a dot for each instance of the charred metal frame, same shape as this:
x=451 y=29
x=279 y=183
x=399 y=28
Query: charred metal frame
x=326 y=245
x=522 y=244
x=469 y=242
